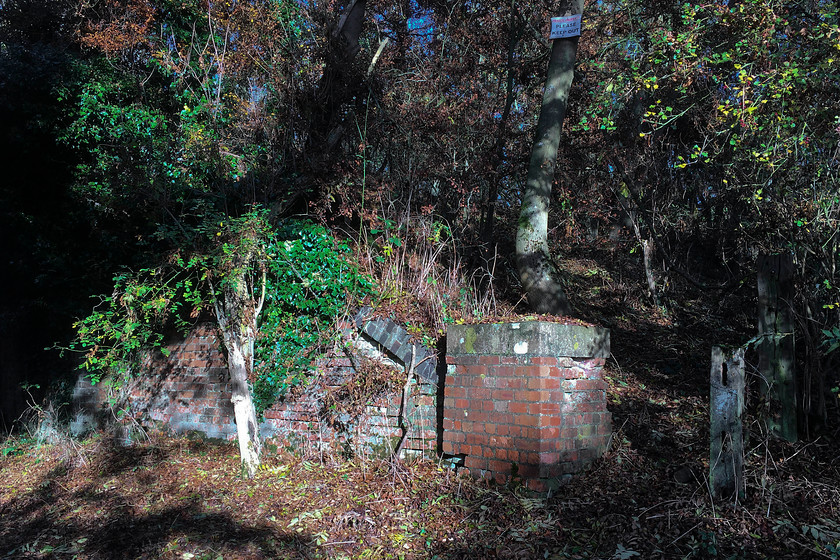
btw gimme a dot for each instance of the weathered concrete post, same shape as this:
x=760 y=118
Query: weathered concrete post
x=776 y=349
x=726 y=461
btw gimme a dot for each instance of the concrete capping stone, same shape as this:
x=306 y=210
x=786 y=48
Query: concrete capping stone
x=528 y=338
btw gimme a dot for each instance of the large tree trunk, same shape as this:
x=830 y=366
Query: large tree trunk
x=339 y=83
x=536 y=271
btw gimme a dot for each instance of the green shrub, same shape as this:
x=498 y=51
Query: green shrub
x=311 y=283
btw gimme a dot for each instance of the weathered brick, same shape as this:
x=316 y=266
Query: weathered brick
x=569 y=433
x=518 y=407
x=466 y=360
x=498 y=466
x=550 y=433
x=526 y=444
x=515 y=383
x=526 y=371
x=480 y=393
x=550 y=407
x=487 y=381
x=528 y=469
x=544 y=360
x=528 y=396
x=537 y=484
x=591 y=385
x=499 y=406
x=502 y=395
x=456 y=392
x=501 y=417
x=499 y=441
x=504 y=371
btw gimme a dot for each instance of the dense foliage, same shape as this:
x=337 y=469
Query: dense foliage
x=310 y=285
x=698 y=136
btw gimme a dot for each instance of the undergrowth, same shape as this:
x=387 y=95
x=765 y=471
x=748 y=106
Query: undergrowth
x=421 y=276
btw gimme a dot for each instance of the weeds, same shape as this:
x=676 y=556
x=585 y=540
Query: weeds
x=422 y=278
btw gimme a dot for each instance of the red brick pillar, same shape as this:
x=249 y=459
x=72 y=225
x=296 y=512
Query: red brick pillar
x=526 y=399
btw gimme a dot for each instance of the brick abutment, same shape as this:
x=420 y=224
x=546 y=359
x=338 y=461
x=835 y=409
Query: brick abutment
x=526 y=400
x=517 y=399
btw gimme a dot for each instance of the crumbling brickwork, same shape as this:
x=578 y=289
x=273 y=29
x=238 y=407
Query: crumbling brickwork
x=521 y=399
x=189 y=391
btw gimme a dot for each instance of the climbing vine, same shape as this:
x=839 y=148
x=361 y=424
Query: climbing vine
x=310 y=284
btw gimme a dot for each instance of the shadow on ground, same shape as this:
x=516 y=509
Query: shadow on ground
x=102 y=519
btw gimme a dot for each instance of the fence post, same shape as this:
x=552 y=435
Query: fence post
x=776 y=343
x=726 y=461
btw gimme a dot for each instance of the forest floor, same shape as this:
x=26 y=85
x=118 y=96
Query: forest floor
x=182 y=498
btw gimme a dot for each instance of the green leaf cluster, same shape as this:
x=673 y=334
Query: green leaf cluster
x=136 y=316
x=311 y=281
x=832 y=339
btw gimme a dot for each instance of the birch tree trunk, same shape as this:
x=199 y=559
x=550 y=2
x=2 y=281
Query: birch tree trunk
x=240 y=362
x=237 y=314
x=536 y=271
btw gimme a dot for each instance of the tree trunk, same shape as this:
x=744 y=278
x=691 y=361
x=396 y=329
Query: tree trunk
x=536 y=271
x=647 y=256
x=338 y=84
x=247 y=428
x=488 y=213
x=237 y=318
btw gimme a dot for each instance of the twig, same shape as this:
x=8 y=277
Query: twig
x=404 y=424
x=684 y=534
x=810 y=549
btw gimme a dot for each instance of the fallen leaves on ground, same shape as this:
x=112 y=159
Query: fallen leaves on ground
x=184 y=499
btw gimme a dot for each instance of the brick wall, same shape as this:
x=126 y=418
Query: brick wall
x=526 y=399
x=305 y=422
x=522 y=399
x=189 y=391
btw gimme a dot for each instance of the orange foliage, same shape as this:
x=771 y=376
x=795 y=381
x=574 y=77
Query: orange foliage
x=123 y=25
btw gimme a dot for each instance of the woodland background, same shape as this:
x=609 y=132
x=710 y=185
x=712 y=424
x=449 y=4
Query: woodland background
x=379 y=150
